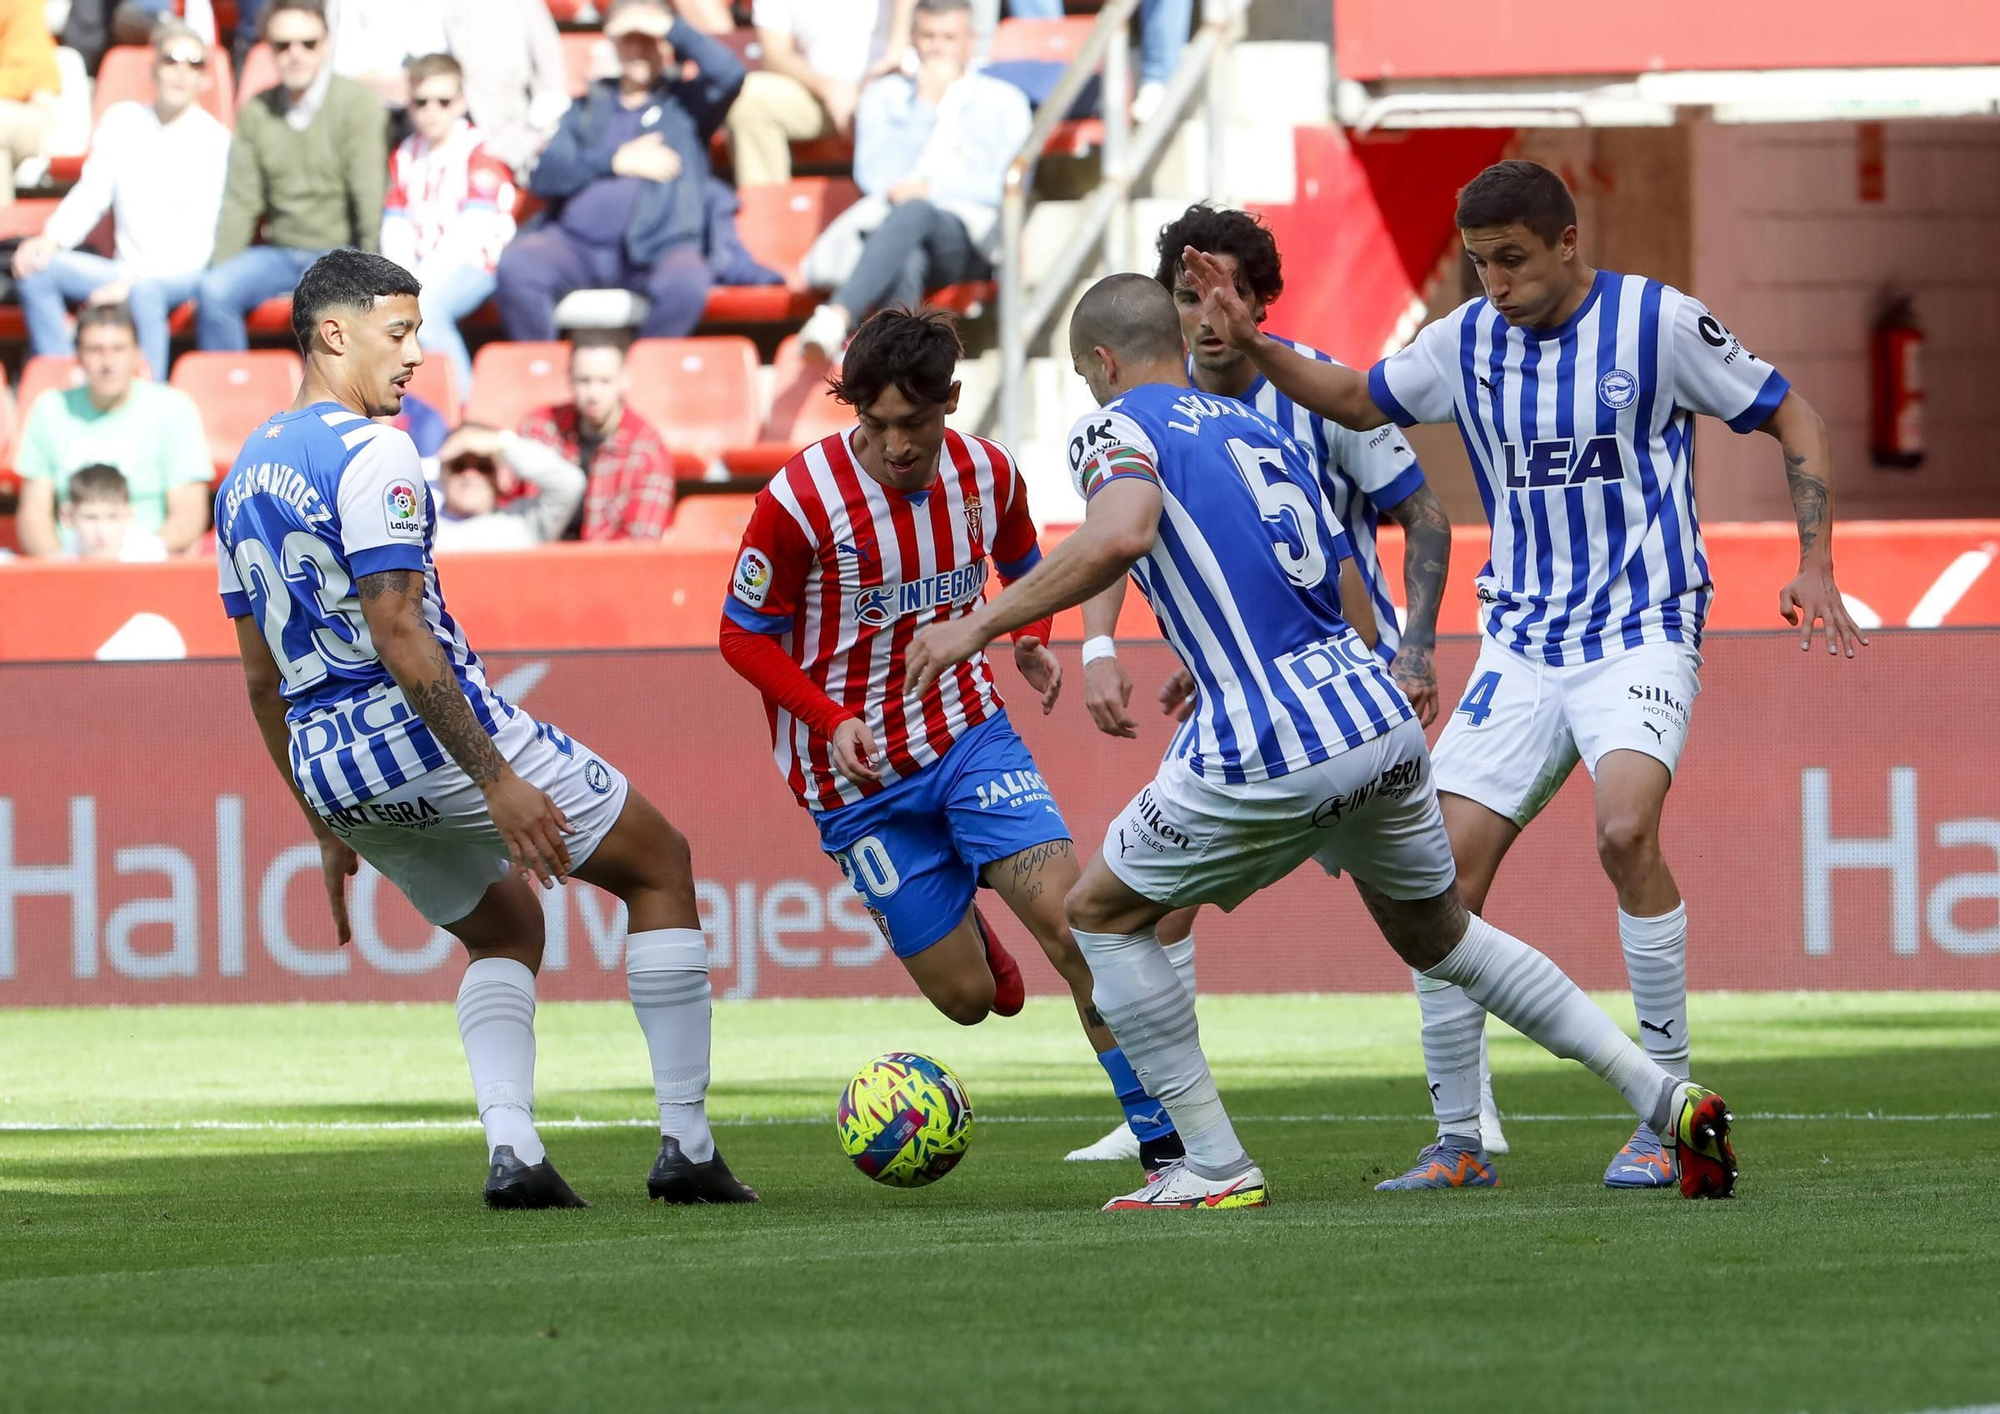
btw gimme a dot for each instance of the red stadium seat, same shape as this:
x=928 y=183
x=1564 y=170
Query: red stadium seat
x=1054 y=41
x=581 y=51
x=260 y=71
x=803 y=410
x=700 y=393
x=778 y=225
x=709 y=522
x=26 y=216
x=564 y=11
x=437 y=384
x=236 y=392
x=42 y=373
x=509 y=381
x=127 y=75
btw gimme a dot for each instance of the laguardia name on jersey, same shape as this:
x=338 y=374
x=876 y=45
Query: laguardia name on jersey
x=1244 y=578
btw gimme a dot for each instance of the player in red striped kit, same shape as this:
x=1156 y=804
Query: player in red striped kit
x=865 y=537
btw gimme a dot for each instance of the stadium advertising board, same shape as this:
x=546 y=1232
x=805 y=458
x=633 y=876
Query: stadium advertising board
x=1824 y=829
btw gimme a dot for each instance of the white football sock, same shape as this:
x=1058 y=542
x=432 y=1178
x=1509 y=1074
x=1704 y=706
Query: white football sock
x=496 y=1020
x=1454 y=1030
x=1181 y=955
x=1152 y=1015
x=1656 y=961
x=666 y=971
x=1534 y=996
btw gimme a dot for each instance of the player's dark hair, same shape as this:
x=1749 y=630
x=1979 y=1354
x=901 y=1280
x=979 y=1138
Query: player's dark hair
x=914 y=351
x=1219 y=230
x=315 y=8
x=1516 y=190
x=107 y=316
x=100 y=481
x=345 y=279
x=1130 y=314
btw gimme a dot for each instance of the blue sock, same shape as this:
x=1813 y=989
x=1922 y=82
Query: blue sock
x=1147 y=1116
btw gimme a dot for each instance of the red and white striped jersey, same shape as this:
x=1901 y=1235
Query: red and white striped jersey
x=844 y=571
x=452 y=204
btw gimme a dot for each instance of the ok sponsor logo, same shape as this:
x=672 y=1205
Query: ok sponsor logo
x=1550 y=463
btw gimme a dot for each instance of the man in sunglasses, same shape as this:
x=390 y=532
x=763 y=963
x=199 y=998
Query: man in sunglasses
x=310 y=159
x=158 y=169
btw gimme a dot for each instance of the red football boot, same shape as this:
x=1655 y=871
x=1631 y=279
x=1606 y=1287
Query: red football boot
x=1010 y=993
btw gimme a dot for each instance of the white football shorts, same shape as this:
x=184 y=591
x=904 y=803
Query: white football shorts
x=1371 y=811
x=432 y=838
x=1522 y=725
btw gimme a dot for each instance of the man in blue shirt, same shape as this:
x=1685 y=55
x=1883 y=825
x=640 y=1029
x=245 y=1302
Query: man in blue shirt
x=930 y=156
x=626 y=178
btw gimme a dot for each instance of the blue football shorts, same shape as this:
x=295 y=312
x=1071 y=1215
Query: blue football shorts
x=914 y=851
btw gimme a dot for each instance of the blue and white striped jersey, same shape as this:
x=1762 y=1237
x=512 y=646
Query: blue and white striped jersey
x=1581 y=438
x=1245 y=580
x=317 y=499
x=1363 y=474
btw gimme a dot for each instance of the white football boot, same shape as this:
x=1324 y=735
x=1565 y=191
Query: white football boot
x=1178 y=1186
x=1120 y=1143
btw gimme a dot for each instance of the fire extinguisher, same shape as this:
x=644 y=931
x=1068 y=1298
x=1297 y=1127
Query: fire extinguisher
x=1895 y=365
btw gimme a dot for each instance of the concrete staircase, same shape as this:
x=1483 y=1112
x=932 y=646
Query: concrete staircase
x=1275 y=87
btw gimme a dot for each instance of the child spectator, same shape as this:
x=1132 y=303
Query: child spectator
x=450 y=208
x=97 y=519
x=152 y=433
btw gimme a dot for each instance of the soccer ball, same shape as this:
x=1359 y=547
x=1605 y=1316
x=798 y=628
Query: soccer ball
x=905 y=1120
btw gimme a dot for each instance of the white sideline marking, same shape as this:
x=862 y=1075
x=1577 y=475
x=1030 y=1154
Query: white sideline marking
x=380 y=1125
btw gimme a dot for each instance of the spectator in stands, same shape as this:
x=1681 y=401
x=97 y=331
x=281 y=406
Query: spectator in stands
x=516 y=87
x=450 y=208
x=159 y=170
x=630 y=494
x=151 y=432
x=818 y=56
x=311 y=155
x=97 y=518
x=627 y=179
x=478 y=466
x=930 y=155
x=29 y=84
x=1163 y=34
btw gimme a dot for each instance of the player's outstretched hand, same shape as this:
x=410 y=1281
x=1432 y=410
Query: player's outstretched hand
x=854 y=752
x=532 y=826
x=1040 y=666
x=1415 y=674
x=1107 y=692
x=936 y=648
x=1813 y=598
x=1222 y=308
x=1177 y=695
x=338 y=864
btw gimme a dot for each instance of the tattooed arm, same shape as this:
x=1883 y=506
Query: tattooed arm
x=1426 y=558
x=392 y=601
x=1812 y=597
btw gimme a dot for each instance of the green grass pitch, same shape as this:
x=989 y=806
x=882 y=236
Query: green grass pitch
x=311 y=1236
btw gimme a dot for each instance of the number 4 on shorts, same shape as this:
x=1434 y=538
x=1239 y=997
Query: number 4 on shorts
x=1478 y=703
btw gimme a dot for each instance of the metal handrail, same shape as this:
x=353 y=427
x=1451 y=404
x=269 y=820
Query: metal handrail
x=1101 y=224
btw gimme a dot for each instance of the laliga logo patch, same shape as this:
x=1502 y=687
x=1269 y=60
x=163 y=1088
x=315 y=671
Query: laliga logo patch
x=400 y=503
x=753 y=578
x=1617 y=389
